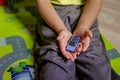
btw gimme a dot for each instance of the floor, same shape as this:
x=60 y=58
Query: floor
x=109 y=21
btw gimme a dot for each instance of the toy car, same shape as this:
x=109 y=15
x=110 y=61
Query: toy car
x=73 y=43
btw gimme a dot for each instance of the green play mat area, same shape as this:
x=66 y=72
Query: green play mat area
x=16 y=41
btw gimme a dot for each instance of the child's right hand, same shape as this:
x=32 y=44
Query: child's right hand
x=63 y=37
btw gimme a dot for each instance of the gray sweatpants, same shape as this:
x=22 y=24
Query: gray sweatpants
x=90 y=65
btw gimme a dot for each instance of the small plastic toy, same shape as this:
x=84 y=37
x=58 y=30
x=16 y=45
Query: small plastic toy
x=73 y=43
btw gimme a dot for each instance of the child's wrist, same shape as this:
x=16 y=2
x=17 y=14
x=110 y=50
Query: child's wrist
x=64 y=33
x=61 y=30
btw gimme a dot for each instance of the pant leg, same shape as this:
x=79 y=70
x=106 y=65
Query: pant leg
x=53 y=66
x=94 y=63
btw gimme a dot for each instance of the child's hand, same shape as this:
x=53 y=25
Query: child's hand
x=86 y=36
x=63 y=38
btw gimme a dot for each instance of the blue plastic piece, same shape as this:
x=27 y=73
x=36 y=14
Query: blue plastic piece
x=73 y=43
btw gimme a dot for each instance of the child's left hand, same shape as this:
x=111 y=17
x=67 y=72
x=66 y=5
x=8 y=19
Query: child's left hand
x=86 y=36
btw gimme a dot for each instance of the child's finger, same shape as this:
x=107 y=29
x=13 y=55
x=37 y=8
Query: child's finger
x=79 y=48
x=85 y=45
x=74 y=55
x=89 y=33
x=66 y=55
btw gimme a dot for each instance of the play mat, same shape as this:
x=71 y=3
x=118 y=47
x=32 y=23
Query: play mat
x=17 y=21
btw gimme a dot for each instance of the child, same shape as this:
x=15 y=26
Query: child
x=60 y=19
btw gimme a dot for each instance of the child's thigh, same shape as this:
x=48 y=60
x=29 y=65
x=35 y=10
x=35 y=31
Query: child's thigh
x=94 y=63
x=55 y=67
